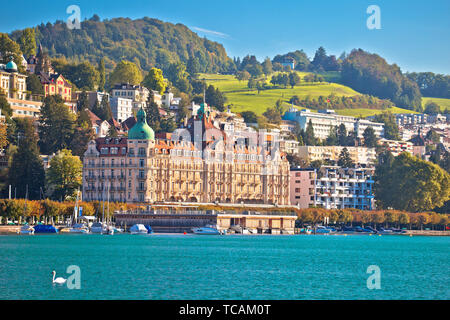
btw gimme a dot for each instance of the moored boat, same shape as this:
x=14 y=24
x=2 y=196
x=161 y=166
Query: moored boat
x=26 y=230
x=98 y=227
x=42 y=228
x=79 y=228
x=207 y=230
x=138 y=229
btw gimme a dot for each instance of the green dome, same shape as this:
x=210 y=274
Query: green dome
x=11 y=66
x=141 y=130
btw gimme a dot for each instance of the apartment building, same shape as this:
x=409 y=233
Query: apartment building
x=340 y=188
x=121 y=108
x=397 y=147
x=359 y=155
x=325 y=120
x=302 y=187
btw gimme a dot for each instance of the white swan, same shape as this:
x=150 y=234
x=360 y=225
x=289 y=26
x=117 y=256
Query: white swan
x=58 y=280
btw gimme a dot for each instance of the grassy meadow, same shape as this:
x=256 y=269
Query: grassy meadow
x=243 y=99
x=443 y=103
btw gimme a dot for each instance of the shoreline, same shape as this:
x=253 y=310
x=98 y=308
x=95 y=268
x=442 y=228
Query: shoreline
x=14 y=230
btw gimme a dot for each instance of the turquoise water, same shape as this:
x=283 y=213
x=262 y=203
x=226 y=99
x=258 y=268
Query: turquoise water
x=225 y=267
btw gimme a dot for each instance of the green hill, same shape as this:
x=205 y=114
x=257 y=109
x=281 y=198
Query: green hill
x=243 y=99
x=443 y=103
x=148 y=42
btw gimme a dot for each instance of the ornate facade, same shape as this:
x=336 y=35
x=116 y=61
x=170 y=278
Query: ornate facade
x=143 y=169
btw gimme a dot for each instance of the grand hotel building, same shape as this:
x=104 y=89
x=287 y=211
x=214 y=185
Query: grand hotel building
x=142 y=169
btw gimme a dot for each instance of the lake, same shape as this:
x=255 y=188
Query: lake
x=238 y=267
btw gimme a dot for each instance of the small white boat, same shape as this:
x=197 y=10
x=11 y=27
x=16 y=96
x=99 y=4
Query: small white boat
x=98 y=227
x=138 y=229
x=79 y=228
x=207 y=230
x=26 y=230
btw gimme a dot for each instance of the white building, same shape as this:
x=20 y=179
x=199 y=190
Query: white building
x=121 y=108
x=341 y=188
x=359 y=155
x=137 y=94
x=324 y=121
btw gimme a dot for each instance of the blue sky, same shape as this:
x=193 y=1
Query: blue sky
x=414 y=34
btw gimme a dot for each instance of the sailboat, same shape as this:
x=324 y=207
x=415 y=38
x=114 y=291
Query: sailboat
x=78 y=227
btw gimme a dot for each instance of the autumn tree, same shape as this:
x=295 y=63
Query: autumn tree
x=125 y=72
x=409 y=183
x=26 y=173
x=64 y=177
x=154 y=80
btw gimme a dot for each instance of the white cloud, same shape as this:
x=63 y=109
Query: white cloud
x=211 y=32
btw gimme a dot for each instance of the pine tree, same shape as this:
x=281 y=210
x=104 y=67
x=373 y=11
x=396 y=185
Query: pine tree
x=332 y=139
x=153 y=116
x=370 y=139
x=101 y=71
x=310 y=139
x=345 y=160
x=27 y=170
x=56 y=125
x=342 y=135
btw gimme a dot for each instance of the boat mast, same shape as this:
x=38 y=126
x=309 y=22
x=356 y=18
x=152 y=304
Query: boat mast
x=75 y=210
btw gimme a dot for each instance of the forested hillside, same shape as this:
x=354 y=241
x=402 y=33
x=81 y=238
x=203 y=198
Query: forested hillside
x=147 y=42
x=371 y=74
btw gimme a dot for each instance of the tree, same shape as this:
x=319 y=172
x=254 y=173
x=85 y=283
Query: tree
x=103 y=111
x=153 y=116
x=177 y=75
x=391 y=131
x=345 y=160
x=56 y=125
x=251 y=84
x=5 y=107
x=432 y=108
x=102 y=75
x=409 y=183
x=27 y=42
x=3 y=136
x=249 y=117
x=370 y=74
x=310 y=138
x=242 y=75
x=267 y=66
x=294 y=79
x=168 y=125
x=193 y=66
x=272 y=116
x=112 y=132
x=10 y=50
x=370 y=138
x=84 y=75
x=26 y=172
x=342 y=135
x=34 y=84
x=125 y=72
x=332 y=139
x=64 y=177
x=154 y=80
x=82 y=135
x=214 y=97
x=433 y=136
